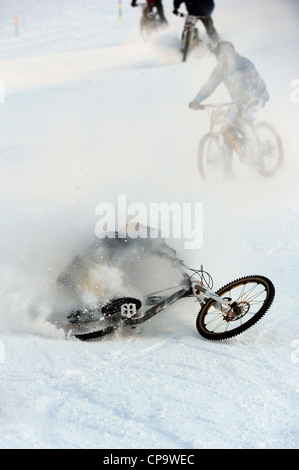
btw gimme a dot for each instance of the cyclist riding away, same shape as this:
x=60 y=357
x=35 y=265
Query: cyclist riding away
x=244 y=84
x=204 y=9
x=154 y=4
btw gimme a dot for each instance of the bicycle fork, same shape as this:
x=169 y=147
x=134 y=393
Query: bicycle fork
x=202 y=293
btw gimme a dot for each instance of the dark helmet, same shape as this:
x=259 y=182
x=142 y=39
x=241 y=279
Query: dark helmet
x=223 y=48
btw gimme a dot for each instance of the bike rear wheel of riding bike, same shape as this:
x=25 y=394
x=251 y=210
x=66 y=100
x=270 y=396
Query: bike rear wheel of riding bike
x=270 y=148
x=214 y=159
x=251 y=295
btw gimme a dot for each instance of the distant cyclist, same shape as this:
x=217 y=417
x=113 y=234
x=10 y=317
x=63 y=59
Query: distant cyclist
x=202 y=8
x=245 y=85
x=151 y=5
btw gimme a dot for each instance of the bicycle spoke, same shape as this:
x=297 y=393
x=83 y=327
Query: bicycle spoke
x=249 y=299
x=270 y=145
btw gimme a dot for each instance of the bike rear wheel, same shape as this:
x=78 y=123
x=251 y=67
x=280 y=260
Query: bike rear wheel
x=270 y=148
x=252 y=296
x=112 y=316
x=213 y=159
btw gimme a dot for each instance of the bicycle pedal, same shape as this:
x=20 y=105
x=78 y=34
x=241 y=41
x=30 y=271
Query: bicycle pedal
x=126 y=306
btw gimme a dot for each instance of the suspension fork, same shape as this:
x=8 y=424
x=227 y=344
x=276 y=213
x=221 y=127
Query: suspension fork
x=202 y=293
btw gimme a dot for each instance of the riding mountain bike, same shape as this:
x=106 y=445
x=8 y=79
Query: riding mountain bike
x=190 y=35
x=263 y=152
x=150 y=21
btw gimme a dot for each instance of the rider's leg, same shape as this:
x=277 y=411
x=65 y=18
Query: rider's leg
x=248 y=117
x=236 y=117
x=160 y=11
x=230 y=142
x=210 y=28
x=251 y=110
x=232 y=121
x=251 y=152
x=228 y=159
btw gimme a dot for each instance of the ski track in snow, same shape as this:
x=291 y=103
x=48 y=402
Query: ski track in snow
x=90 y=112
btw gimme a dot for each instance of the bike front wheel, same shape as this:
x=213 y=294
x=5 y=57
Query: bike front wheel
x=251 y=297
x=270 y=148
x=186 y=40
x=214 y=159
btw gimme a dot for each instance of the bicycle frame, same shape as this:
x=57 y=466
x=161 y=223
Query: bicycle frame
x=220 y=125
x=190 y=21
x=217 y=116
x=153 y=304
x=161 y=299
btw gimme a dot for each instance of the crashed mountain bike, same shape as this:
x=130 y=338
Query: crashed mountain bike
x=263 y=152
x=223 y=314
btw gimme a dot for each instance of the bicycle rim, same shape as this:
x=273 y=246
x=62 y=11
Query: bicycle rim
x=252 y=296
x=270 y=148
x=211 y=159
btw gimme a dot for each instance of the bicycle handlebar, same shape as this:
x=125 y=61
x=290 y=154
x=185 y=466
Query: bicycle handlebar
x=185 y=15
x=215 y=106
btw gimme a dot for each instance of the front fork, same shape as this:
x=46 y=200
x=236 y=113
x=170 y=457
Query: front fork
x=202 y=293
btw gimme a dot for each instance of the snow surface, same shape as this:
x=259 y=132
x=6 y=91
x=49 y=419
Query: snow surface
x=92 y=111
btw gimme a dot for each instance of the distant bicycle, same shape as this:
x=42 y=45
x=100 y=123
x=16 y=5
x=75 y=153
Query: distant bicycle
x=216 y=148
x=190 y=35
x=150 y=21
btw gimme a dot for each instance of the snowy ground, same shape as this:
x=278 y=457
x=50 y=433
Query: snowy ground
x=91 y=112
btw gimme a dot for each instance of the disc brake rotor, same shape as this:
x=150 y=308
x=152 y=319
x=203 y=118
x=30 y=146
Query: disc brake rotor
x=236 y=312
